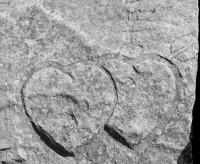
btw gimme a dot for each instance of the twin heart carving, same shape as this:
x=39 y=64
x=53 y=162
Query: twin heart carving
x=69 y=105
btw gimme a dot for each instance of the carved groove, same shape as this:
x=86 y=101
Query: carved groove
x=45 y=137
x=50 y=142
x=112 y=78
x=116 y=136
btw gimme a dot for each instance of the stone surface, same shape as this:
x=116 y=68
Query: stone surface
x=70 y=109
x=97 y=82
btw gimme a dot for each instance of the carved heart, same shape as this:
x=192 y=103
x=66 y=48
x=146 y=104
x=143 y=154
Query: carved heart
x=145 y=90
x=71 y=107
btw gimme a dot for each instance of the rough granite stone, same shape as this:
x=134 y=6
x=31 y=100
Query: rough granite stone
x=97 y=82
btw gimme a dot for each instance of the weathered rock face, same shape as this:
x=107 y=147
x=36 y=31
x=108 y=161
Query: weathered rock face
x=107 y=82
x=70 y=107
x=143 y=96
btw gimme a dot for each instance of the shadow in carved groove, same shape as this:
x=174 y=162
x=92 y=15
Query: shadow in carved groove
x=45 y=137
x=116 y=136
x=51 y=143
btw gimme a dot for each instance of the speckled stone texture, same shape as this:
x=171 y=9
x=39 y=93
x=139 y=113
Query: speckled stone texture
x=97 y=81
